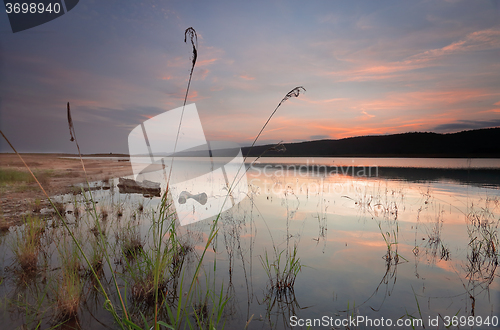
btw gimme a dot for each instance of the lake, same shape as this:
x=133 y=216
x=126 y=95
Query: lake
x=364 y=239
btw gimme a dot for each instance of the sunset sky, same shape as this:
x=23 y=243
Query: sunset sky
x=369 y=67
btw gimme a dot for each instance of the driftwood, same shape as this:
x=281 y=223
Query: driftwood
x=147 y=188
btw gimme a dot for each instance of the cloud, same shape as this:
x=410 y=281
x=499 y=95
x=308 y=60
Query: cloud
x=479 y=40
x=180 y=94
x=201 y=74
x=476 y=41
x=246 y=77
x=467 y=124
x=367 y=115
x=326 y=101
x=319 y=137
x=206 y=62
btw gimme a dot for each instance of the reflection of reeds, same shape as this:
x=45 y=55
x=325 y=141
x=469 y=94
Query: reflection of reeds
x=392 y=260
x=282 y=305
x=482 y=254
x=391 y=242
x=282 y=273
x=30 y=297
x=435 y=245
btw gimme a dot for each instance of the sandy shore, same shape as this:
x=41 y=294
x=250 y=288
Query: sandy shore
x=58 y=175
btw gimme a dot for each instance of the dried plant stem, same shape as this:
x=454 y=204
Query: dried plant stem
x=293 y=93
x=73 y=138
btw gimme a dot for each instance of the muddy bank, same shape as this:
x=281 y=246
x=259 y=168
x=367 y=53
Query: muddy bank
x=57 y=174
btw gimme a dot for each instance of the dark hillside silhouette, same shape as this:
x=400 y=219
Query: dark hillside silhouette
x=474 y=143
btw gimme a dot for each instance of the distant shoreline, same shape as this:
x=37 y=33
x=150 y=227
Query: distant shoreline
x=480 y=143
x=487 y=156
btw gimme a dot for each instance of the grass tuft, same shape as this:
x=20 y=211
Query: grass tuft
x=26 y=246
x=282 y=271
x=60 y=208
x=69 y=294
x=14 y=176
x=131 y=242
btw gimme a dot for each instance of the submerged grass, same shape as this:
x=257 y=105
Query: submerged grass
x=69 y=294
x=283 y=270
x=482 y=251
x=131 y=242
x=27 y=245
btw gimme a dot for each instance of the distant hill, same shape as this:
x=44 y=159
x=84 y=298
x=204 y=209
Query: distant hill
x=481 y=143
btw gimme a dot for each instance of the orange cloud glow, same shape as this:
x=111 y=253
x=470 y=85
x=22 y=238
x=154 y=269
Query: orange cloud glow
x=476 y=41
x=247 y=77
x=206 y=62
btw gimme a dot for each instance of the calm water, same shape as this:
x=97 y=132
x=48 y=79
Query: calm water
x=399 y=245
x=449 y=163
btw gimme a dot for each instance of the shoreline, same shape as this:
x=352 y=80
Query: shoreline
x=57 y=175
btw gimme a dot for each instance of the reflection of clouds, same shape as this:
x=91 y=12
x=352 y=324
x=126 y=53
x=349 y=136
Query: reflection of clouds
x=446 y=266
x=351 y=264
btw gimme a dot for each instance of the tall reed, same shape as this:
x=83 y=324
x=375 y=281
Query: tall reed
x=156 y=276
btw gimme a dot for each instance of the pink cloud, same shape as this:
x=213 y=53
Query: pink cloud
x=491 y=111
x=201 y=74
x=327 y=101
x=247 y=77
x=476 y=41
x=206 y=62
x=366 y=115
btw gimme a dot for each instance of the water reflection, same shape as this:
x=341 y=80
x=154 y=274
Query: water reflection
x=368 y=246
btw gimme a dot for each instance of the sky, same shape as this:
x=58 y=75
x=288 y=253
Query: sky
x=368 y=67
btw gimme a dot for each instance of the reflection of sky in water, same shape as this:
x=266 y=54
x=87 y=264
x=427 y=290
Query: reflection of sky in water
x=381 y=161
x=339 y=239
x=335 y=223
x=338 y=231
